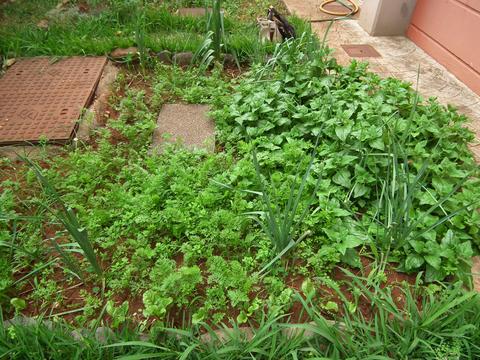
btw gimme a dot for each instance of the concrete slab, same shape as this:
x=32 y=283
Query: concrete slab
x=194 y=12
x=38 y=153
x=184 y=123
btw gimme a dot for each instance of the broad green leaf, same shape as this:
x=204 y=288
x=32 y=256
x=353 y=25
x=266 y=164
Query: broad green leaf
x=432 y=274
x=448 y=239
x=242 y=317
x=442 y=185
x=342 y=132
x=428 y=198
x=351 y=258
x=348 y=159
x=341 y=212
x=430 y=235
x=18 y=304
x=447 y=252
x=417 y=245
x=308 y=288
x=331 y=306
x=342 y=178
x=289 y=77
x=465 y=250
x=350 y=242
x=377 y=144
x=413 y=261
x=434 y=260
x=359 y=190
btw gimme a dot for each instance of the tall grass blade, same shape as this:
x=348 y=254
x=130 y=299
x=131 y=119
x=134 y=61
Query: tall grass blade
x=69 y=220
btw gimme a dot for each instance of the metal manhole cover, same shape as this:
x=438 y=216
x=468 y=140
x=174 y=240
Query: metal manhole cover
x=40 y=98
x=361 y=50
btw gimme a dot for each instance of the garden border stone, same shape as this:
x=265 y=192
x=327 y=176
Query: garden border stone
x=103 y=333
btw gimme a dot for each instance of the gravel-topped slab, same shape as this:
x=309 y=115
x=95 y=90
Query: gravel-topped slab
x=193 y=11
x=187 y=124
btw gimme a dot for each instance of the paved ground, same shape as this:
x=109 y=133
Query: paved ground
x=187 y=124
x=400 y=59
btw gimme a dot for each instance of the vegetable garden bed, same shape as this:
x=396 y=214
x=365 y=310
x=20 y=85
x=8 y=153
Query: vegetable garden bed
x=332 y=193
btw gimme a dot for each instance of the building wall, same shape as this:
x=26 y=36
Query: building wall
x=449 y=31
x=386 y=17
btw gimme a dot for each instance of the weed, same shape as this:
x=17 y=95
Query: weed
x=69 y=220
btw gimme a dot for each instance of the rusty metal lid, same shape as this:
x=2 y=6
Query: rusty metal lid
x=42 y=98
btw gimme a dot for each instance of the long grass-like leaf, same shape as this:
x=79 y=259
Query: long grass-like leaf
x=69 y=220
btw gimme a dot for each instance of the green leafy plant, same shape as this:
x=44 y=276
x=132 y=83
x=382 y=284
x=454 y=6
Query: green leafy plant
x=420 y=325
x=69 y=220
x=412 y=324
x=18 y=304
x=281 y=223
x=402 y=229
x=178 y=287
x=387 y=153
x=118 y=313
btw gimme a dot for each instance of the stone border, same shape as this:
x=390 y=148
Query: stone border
x=182 y=58
x=95 y=114
x=103 y=333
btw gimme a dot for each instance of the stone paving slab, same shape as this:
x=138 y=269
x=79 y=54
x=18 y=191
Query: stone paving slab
x=187 y=124
x=194 y=11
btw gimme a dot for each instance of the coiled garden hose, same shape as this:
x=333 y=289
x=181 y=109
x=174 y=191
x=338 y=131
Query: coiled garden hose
x=353 y=9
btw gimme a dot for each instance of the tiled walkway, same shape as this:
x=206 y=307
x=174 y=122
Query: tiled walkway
x=401 y=59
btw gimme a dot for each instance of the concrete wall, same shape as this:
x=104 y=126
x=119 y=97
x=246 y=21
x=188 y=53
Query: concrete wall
x=449 y=31
x=386 y=17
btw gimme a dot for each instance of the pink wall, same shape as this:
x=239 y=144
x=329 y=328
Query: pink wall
x=449 y=30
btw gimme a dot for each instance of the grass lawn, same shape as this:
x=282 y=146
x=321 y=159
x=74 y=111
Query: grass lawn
x=337 y=203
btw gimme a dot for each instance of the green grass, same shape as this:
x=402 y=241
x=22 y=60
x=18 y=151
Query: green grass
x=112 y=26
x=435 y=326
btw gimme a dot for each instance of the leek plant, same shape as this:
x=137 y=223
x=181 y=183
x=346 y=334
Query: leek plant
x=67 y=217
x=215 y=42
x=215 y=25
x=281 y=223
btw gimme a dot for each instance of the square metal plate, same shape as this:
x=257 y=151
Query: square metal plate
x=41 y=98
x=360 y=50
